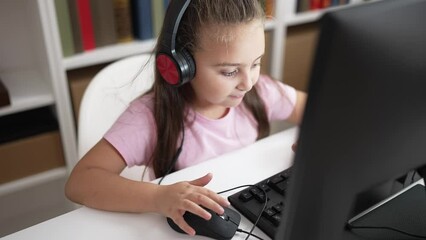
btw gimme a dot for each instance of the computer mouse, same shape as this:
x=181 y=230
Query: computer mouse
x=218 y=227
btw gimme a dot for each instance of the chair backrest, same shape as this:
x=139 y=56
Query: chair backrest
x=108 y=95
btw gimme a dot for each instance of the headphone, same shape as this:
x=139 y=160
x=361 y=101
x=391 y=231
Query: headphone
x=175 y=65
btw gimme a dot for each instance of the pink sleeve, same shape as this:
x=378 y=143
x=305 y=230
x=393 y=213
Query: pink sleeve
x=133 y=134
x=278 y=97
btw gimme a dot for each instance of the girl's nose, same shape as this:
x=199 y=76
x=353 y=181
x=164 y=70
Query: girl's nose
x=246 y=82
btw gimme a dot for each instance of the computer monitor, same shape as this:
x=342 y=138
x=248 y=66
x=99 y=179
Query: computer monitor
x=365 y=119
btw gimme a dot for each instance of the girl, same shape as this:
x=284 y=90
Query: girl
x=226 y=105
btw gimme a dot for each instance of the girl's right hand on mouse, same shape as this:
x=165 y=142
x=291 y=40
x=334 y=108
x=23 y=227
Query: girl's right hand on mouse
x=175 y=199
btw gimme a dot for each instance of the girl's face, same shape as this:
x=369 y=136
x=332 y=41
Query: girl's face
x=226 y=69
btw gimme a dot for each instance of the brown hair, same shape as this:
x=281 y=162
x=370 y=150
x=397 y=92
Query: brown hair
x=170 y=102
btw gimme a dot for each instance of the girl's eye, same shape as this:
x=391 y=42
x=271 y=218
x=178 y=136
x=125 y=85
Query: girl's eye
x=256 y=65
x=230 y=74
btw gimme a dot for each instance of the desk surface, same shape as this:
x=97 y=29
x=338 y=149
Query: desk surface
x=245 y=166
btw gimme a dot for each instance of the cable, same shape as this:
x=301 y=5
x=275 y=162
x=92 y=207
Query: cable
x=413 y=177
x=260 y=214
x=251 y=234
x=409 y=178
x=174 y=160
x=176 y=156
x=350 y=226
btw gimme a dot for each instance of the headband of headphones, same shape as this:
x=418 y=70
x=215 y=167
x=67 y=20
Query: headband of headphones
x=175 y=65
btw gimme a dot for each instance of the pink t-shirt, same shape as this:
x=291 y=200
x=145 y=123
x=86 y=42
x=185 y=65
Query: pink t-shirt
x=134 y=132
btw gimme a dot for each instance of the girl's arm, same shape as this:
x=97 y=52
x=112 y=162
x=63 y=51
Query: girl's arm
x=95 y=182
x=297 y=114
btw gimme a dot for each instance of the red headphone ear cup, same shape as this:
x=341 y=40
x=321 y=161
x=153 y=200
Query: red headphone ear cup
x=176 y=71
x=168 y=69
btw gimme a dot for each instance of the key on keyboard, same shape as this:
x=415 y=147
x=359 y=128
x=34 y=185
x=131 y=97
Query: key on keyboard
x=250 y=201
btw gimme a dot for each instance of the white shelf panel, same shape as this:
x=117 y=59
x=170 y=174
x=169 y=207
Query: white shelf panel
x=33 y=180
x=293 y=19
x=108 y=53
x=269 y=25
x=302 y=18
x=27 y=90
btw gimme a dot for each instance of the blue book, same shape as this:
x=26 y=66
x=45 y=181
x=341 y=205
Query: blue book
x=166 y=3
x=335 y=3
x=142 y=19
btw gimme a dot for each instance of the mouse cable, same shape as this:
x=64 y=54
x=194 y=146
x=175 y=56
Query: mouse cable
x=250 y=233
x=350 y=226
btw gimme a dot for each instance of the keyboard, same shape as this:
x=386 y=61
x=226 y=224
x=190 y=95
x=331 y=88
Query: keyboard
x=250 y=201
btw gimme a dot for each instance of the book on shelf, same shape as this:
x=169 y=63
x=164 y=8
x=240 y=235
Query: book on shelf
x=268 y=7
x=123 y=20
x=335 y=2
x=315 y=4
x=308 y=5
x=142 y=19
x=4 y=95
x=339 y=2
x=303 y=5
x=325 y=3
x=65 y=30
x=166 y=4
x=103 y=22
x=86 y=24
x=75 y=26
x=157 y=8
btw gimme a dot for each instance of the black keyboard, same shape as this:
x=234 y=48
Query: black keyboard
x=250 y=201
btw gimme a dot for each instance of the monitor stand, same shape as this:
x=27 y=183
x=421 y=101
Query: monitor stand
x=405 y=211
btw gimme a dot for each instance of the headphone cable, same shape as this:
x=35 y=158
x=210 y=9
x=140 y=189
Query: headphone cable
x=176 y=156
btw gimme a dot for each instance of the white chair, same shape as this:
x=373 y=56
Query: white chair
x=107 y=96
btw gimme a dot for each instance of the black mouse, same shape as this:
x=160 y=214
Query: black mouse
x=218 y=227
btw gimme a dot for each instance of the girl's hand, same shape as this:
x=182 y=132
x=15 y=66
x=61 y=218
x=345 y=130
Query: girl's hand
x=294 y=147
x=174 y=200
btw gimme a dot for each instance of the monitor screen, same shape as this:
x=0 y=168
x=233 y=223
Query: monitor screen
x=365 y=119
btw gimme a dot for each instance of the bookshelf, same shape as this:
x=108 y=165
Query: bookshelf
x=34 y=69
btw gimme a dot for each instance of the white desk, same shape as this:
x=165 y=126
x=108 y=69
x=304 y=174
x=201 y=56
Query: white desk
x=245 y=166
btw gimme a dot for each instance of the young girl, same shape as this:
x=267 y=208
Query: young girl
x=226 y=105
